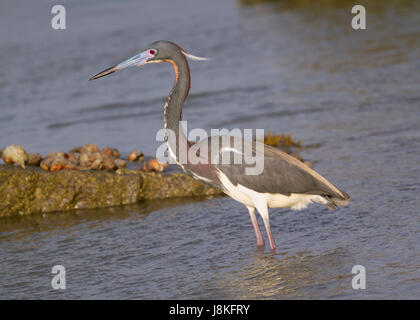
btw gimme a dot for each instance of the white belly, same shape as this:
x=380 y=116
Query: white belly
x=295 y=201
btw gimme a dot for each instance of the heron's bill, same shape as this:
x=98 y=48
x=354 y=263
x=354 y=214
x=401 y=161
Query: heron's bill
x=137 y=60
x=104 y=73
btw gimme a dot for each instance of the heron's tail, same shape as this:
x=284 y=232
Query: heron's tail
x=334 y=202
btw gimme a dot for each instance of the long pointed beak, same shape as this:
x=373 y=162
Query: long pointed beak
x=138 y=60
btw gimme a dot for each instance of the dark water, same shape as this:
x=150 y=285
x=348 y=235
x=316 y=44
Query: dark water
x=285 y=66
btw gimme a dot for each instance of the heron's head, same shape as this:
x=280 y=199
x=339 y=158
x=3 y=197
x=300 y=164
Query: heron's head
x=159 y=51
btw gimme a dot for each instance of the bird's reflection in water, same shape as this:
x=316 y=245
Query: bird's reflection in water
x=277 y=276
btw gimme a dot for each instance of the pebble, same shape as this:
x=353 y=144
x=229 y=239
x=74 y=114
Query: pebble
x=135 y=155
x=15 y=154
x=153 y=165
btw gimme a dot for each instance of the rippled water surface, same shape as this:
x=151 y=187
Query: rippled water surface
x=285 y=66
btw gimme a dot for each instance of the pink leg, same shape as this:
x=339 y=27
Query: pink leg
x=263 y=210
x=260 y=241
x=269 y=234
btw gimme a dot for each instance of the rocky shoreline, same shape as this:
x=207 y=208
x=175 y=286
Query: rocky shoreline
x=33 y=190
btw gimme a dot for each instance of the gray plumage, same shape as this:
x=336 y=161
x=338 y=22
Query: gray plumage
x=282 y=173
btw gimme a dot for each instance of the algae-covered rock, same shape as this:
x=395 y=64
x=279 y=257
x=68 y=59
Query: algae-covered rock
x=281 y=140
x=31 y=190
x=160 y=185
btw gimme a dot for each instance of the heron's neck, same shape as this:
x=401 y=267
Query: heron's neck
x=174 y=103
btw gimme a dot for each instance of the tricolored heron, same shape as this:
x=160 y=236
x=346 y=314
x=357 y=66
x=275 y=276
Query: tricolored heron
x=284 y=181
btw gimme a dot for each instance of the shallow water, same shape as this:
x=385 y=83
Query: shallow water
x=288 y=67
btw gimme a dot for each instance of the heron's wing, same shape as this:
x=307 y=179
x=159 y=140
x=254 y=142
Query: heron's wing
x=281 y=173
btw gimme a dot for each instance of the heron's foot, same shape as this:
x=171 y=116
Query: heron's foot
x=272 y=243
x=260 y=243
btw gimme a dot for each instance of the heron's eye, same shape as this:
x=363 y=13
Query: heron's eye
x=151 y=51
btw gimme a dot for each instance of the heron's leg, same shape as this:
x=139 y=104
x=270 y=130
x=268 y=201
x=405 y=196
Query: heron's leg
x=262 y=208
x=260 y=241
